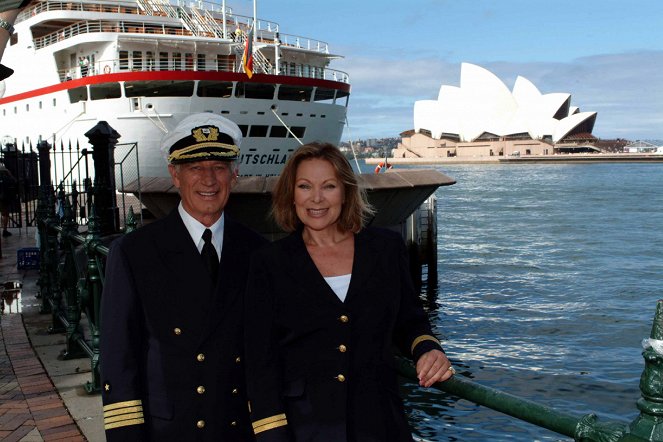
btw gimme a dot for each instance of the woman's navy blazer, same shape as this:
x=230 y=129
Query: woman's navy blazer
x=319 y=369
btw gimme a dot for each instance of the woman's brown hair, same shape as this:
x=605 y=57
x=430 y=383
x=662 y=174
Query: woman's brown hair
x=356 y=209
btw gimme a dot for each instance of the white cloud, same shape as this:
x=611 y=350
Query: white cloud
x=625 y=89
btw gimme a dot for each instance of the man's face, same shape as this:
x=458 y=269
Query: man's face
x=204 y=187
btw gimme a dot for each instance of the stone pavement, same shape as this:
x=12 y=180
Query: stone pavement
x=42 y=398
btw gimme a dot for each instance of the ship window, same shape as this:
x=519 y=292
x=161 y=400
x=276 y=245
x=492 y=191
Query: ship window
x=258 y=130
x=323 y=94
x=159 y=88
x=177 y=61
x=295 y=93
x=77 y=94
x=163 y=61
x=200 y=64
x=244 y=128
x=225 y=62
x=137 y=59
x=220 y=89
x=278 y=132
x=124 y=60
x=255 y=90
x=105 y=90
x=340 y=95
x=298 y=131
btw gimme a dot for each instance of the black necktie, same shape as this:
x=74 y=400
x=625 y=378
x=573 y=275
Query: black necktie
x=209 y=255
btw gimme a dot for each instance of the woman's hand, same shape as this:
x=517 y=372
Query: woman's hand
x=433 y=366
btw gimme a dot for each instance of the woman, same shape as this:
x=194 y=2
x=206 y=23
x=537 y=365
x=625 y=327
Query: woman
x=324 y=307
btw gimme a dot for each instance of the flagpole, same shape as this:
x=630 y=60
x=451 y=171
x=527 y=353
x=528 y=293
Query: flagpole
x=255 y=20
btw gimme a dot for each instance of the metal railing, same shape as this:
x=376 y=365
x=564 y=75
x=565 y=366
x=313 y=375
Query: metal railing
x=265 y=31
x=647 y=426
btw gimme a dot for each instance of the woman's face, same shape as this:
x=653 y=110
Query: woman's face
x=319 y=194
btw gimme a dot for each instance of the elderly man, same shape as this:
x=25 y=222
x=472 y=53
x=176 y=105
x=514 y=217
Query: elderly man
x=171 y=345
x=9 y=10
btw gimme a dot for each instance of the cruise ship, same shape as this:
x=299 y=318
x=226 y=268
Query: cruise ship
x=143 y=65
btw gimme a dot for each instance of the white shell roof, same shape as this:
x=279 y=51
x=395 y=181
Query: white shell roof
x=483 y=103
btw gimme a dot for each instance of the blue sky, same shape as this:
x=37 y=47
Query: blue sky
x=607 y=54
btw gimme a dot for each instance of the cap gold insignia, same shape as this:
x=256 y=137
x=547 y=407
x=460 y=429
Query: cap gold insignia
x=205 y=134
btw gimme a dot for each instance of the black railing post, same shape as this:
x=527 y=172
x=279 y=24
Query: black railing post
x=91 y=298
x=648 y=426
x=68 y=284
x=43 y=207
x=53 y=262
x=103 y=139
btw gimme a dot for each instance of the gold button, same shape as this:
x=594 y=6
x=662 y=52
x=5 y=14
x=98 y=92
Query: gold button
x=200 y=357
x=233 y=424
x=342 y=348
x=343 y=318
x=177 y=331
x=200 y=424
x=237 y=360
x=340 y=378
x=200 y=390
x=235 y=391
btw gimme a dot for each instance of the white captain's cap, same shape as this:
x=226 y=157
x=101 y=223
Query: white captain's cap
x=202 y=137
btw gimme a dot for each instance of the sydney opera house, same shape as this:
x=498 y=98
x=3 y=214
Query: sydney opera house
x=483 y=117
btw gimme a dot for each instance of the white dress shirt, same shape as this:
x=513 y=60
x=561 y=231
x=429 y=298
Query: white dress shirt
x=196 y=229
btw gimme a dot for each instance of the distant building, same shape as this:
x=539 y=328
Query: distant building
x=642 y=147
x=483 y=118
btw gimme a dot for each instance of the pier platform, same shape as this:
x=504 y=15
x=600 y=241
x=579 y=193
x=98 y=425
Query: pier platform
x=42 y=398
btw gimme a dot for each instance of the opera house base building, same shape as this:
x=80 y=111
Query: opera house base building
x=483 y=121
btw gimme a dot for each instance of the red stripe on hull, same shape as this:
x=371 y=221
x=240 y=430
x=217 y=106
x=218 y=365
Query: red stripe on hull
x=176 y=75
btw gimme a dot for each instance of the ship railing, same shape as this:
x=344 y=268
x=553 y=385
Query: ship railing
x=299 y=42
x=118 y=65
x=266 y=31
x=75 y=5
x=94 y=26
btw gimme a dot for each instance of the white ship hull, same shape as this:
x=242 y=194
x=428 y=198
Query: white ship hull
x=145 y=70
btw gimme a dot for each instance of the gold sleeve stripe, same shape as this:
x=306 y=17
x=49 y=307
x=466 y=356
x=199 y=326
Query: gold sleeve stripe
x=126 y=423
x=123 y=411
x=123 y=417
x=269 y=420
x=117 y=405
x=271 y=426
x=421 y=339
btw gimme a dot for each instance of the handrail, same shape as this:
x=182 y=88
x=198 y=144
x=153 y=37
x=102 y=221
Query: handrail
x=116 y=65
x=648 y=426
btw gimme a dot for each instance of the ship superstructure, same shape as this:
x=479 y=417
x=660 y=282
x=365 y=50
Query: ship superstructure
x=144 y=65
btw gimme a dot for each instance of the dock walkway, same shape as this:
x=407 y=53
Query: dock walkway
x=42 y=398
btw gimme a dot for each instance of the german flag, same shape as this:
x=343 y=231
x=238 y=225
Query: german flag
x=247 y=57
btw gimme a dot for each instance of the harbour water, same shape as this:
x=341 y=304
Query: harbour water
x=548 y=281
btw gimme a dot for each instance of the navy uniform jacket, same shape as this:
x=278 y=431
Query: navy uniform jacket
x=319 y=369
x=172 y=344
